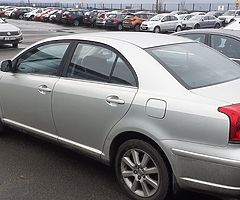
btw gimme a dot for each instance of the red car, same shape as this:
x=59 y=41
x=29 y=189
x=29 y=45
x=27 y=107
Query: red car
x=38 y=17
x=2 y=13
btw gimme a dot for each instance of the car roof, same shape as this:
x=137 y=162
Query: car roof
x=235 y=33
x=142 y=40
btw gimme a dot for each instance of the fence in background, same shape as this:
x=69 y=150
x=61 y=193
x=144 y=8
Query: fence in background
x=151 y=7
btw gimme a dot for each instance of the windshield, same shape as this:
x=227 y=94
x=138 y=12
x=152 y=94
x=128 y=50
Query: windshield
x=229 y=13
x=196 y=17
x=157 y=18
x=195 y=65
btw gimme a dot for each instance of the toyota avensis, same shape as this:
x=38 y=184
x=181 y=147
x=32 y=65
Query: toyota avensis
x=164 y=111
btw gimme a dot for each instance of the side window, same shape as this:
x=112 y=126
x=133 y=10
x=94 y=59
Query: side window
x=45 y=59
x=91 y=62
x=122 y=74
x=226 y=45
x=206 y=18
x=196 y=37
x=173 y=18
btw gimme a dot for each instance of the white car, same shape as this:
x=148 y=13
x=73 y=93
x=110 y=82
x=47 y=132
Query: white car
x=162 y=23
x=229 y=16
x=9 y=34
x=235 y=25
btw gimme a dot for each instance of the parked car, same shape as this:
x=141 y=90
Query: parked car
x=90 y=18
x=2 y=12
x=115 y=21
x=215 y=13
x=73 y=17
x=229 y=16
x=105 y=102
x=225 y=41
x=38 y=16
x=31 y=15
x=46 y=17
x=179 y=12
x=202 y=21
x=9 y=34
x=135 y=20
x=19 y=12
x=101 y=19
x=234 y=25
x=162 y=23
x=8 y=12
x=57 y=17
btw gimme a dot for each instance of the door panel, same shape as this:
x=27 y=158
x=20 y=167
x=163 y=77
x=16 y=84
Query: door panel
x=22 y=102
x=26 y=95
x=95 y=94
x=82 y=112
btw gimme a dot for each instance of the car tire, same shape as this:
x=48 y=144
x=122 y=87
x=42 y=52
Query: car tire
x=76 y=23
x=157 y=29
x=138 y=181
x=20 y=17
x=179 y=28
x=15 y=45
x=137 y=28
x=197 y=26
x=217 y=25
x=120 y=27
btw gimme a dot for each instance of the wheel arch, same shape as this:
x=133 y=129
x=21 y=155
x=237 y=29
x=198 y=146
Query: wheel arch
x=128 y=135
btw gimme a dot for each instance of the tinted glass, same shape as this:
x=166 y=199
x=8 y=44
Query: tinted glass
x=43 y=60
x=196 y=37
x=122 y=74
x=226 y=45
x=188 y=64
x=91 y=62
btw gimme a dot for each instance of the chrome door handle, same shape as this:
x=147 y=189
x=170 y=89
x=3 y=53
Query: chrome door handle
x=114 y=100
x=43 y=89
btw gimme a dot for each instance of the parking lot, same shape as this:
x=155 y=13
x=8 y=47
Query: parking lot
x=36 y=169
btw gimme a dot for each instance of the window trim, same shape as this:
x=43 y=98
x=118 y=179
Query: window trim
x=63 y=61
x=118 y=54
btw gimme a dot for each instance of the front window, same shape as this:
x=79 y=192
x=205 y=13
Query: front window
x=45 y=59
x=195 y=65
x=157 y=18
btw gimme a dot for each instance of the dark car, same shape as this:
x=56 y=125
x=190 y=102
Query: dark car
x=18 y=13
x=45 y=17
x=115 y=21
x=73 y=17
x=90 y=18
x=224 y=41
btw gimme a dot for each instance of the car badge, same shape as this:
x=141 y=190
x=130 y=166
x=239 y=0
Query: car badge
x=8 y=33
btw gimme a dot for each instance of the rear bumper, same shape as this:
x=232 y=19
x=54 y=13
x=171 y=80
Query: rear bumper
x=111 y=25
x=211 y=169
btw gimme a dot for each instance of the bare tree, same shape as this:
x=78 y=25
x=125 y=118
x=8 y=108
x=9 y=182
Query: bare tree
x=183 y=5
x=159 y=5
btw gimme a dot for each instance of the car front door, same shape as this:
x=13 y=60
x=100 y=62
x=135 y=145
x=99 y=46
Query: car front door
x=166 y=23
x=96 y=92
x=26 y=94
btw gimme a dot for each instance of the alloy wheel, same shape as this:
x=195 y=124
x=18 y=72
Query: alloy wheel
x=140 y=173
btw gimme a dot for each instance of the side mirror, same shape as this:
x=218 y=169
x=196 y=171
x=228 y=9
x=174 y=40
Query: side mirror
x=202 y=20
x=6 y=66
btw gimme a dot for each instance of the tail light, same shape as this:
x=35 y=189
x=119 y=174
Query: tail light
x=233 y=113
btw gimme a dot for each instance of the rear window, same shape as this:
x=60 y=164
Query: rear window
x=195 y=65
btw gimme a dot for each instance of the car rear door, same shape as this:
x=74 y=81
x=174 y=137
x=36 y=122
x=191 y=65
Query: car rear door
x=96 y=91
x=26 y=94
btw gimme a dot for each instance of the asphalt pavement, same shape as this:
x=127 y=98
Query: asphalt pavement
x=35 y=169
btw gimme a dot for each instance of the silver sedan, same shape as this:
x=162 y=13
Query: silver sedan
x=150 y=105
